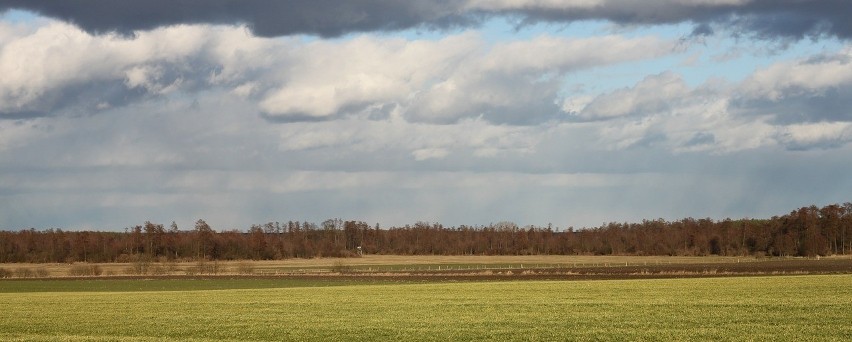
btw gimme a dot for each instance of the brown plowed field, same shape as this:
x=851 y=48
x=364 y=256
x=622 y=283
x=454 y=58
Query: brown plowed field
x=612 y=271
x=776 y=267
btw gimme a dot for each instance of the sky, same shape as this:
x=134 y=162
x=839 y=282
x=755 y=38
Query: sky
x=571 y=113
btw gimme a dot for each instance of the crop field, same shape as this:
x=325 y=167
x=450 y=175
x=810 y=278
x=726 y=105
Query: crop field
x=792 y=308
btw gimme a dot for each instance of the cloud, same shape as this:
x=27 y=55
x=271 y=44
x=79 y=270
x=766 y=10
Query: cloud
x=759 y=18
x=329 y=77
x=796 y=105
x=175 y=160
x=809 y=90
x=519 y=82
x=459 y=79
x=654 y=94
x=15 y=133
x=662 y=111
x=406 y=141
x=443 y=81
x=430 y=153
x=765 y=19
x=116 y=115
x=265 y=18
x=57 y=68
x=808 y=76
x=821 y=135
x=792 y=18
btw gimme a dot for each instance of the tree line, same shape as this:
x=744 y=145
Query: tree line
x=808 y=231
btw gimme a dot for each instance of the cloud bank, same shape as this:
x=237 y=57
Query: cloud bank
x=112 y=114
x=328 y=18
x=439 y=81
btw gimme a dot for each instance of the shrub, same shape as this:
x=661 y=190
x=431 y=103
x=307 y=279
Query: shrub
x=340 y=267
x=213 y=267
x=4 y=273
x=245 y=268
x=77 y=270
x=42 y=273
x=192 y=271
x=96 y=270
x=82 y=270
x=140 y=265
x=158 y=270
x=171 y=266
x=124 y=258
x=204 y=267
x=24 y=272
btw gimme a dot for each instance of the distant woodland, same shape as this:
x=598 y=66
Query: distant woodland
x=808 y=231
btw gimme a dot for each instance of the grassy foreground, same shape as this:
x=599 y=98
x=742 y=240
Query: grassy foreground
x=792 y=308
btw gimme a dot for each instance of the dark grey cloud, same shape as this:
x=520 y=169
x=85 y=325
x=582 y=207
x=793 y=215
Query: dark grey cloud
x=797 y=106
x=794 y=18
x=77 y=100
x=701 y=138
x=92 y=96
x=21 y=114
x=266 y=18
x=823 y=144
x=702 y=29
x=761 y=18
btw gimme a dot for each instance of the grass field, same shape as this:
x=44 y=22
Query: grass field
x=155 y=285
x=792 y=308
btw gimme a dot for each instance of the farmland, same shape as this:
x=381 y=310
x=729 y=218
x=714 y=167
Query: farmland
x=482 y=266
x=740 y=308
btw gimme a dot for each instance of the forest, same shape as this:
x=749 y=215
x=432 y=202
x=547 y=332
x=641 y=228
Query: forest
x=808 y=231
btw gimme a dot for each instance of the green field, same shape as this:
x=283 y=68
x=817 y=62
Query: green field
x=156 y=285
x=792 y=308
